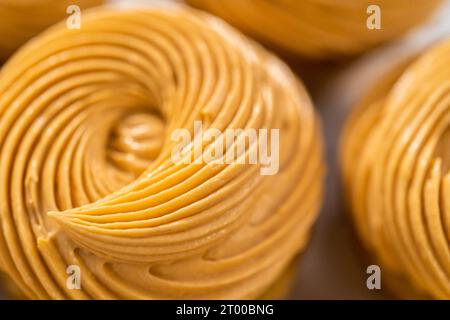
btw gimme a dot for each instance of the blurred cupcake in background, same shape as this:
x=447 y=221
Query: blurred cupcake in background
x=395 y=163
x=20 y=20
x=322 y=29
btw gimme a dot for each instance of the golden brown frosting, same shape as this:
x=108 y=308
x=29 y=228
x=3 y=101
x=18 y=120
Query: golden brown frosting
x=86 y=174
x=20 y=20
x=396 y=160
x=320 y=28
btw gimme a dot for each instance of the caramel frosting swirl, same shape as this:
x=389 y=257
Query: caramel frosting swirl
x=320 y=28
x=20 y=20
x=86 y=175
x=396 y=160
